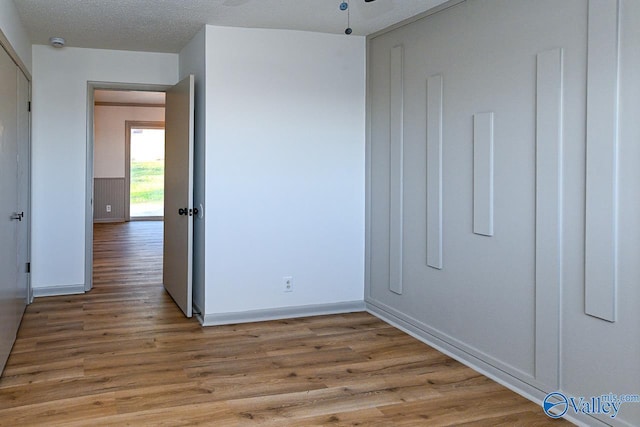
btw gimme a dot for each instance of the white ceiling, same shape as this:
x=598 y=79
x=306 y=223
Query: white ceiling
x=167 y=25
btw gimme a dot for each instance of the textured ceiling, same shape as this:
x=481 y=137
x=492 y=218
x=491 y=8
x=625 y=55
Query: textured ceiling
x=167 y=25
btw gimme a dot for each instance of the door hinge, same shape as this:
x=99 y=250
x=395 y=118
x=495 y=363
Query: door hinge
x=28 y=267
x=29 y=106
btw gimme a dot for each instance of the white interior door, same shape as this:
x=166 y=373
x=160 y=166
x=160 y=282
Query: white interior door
x=24 y=206
x=11 y=305
x=178 y=194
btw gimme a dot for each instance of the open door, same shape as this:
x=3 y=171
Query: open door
x=24 y=186
x=178 y=198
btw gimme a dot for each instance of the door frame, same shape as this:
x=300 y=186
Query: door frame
x=29 y=295
x=88 y=229
x=128 y=125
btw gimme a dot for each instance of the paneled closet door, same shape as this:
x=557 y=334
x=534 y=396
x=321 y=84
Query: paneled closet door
x=8 y=204
x=14 y=138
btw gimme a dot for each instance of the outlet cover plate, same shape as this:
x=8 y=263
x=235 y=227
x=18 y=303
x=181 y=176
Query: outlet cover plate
x=287 y=284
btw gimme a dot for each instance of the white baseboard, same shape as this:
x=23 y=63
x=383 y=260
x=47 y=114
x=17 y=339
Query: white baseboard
x=108 y=220
x=146 y=218
x=57 y=290
x=514 y=384
x=281 y=313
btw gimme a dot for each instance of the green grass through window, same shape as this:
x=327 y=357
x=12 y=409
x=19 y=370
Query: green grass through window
x=147 y=182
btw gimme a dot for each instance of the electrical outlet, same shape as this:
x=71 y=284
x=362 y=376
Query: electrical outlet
x=287 y=284
x=108 y=208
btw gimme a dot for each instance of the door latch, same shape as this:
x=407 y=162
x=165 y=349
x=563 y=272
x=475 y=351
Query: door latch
x=18 y=216
x=190 y=212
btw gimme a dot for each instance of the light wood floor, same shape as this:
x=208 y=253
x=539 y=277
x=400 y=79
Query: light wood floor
x=123 y=354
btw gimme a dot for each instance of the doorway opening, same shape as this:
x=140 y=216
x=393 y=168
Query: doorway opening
x=128 y=161
x=144 y=183
x=125 y=164
x=112 y=176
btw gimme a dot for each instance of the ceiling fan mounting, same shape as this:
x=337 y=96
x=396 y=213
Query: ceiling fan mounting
x=345 y=6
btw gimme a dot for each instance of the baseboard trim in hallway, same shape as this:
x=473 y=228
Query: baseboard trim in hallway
x=283 y=313
x=58 y=290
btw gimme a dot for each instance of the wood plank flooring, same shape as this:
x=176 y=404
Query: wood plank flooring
x=123 y=354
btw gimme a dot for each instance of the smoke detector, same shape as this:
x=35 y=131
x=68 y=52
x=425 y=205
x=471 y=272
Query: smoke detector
x=57 y=42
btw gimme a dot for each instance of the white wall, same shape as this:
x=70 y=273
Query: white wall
x=109 y=125
x=285 y=154
x=59 y=143
x=511 y=304
x=192 y=61
x=12 y=28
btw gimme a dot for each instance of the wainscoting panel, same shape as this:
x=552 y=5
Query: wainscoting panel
x=434 y=171
x=483 y=174
x=108 y=192
x=602 y=159
x=548 y=265
x=396 y=151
